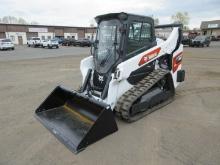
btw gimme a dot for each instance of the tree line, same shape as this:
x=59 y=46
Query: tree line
x=179 y=17
x=16 y=20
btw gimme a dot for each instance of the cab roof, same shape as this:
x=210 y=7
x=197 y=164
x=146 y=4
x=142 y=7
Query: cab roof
x=124 y=17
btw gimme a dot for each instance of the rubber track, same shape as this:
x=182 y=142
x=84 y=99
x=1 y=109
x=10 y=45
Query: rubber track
x=126 y=101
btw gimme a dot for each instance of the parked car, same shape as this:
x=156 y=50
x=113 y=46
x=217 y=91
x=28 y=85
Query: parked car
x=65 y=42
x=6 y=44
x=193 y=35
x=186 y=40
x=83 y=42
x=215 y=38
x=50 y=43
x=69 y=42
x=34 y=41
x=72 y=42
x=41 y=42
x=60 y=40
x=201 y=41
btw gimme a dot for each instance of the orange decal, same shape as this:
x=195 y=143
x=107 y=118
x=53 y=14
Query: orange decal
x=177 y=61
x=147 y=57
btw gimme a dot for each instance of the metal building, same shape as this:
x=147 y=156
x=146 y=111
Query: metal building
x=211 y=28
x=19 y=33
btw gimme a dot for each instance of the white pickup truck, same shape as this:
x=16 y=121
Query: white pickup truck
x=34 y=41
x=50 y=43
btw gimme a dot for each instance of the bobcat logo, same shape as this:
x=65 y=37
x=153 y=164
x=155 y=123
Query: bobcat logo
x=101 y=79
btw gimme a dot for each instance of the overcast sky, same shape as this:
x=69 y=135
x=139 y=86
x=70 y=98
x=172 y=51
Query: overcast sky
x=82 y=12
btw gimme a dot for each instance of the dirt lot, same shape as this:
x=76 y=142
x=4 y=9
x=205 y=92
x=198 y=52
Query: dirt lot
x=184 y=132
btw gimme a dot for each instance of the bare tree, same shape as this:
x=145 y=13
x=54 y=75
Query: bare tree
x=22 y=21
x=34 y=23
x=181 y=17
x=9 y=20
x=14 y=20
x=92 y=23
x=156 y=21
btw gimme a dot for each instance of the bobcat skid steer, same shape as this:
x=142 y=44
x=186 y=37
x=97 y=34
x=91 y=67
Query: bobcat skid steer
x=130 y=73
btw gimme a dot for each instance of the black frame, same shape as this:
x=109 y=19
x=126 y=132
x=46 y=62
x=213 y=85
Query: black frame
x=127 y=19
x=140 y=19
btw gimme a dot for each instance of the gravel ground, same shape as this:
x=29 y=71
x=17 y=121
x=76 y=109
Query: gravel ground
x=184 y=132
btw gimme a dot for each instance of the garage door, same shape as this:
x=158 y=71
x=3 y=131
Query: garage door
x=2 y=35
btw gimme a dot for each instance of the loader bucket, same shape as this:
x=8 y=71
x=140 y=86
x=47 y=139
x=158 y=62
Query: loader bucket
x=76 y=120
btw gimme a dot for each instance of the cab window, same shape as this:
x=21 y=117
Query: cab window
x=139 y=36
x=146 y=31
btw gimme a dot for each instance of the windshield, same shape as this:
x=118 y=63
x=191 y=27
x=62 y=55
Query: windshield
x=106 y=45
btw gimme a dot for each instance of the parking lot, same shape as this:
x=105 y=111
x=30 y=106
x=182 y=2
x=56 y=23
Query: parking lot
x=24 y=53
x=184 y=132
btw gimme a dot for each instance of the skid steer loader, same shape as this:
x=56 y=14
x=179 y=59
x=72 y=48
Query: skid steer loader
x=130 y=73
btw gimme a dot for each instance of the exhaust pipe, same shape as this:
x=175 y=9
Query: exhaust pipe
x=76 y=120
